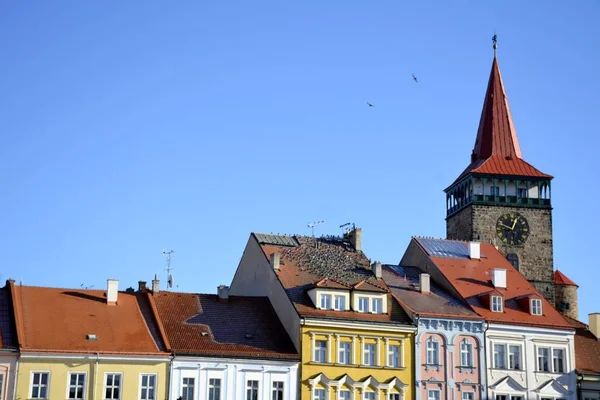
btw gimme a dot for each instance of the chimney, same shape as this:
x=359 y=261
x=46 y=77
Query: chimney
x=355 y=237
x=141 y=285
x=376 y=267
x=155 y=285
x=275 y=261
x=223 y=292
x=595 y=324
x=112 y=291
x=425 y=283
x=499 y=278
x=474 y=250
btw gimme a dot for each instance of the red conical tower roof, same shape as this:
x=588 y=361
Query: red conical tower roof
x=497 y=149
x=562 y=279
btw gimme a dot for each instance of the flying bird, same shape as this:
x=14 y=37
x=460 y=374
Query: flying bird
x=369 y=104
x=415 y=78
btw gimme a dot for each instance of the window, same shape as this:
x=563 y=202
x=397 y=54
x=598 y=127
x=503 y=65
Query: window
x=321 y=351
x=377 y=306
x=394 y=356
x=1 y=384
x=112 y=386
x=494 y=190
x=433 y=395
x=466 y=354
x=514 y=357
x=516 y=397
x=536 y=307
x=499 y=356
x=369 y=354
x=501 y=397
x=148 y=387
x=363 y=304
x=252 y=390
x=187 y=388
x=543 y=359
x=497 y=303
x=76 y=385
x=326 y=301
x=394 y=396
x=344 y=395
x=513 y=259
x=277 y=391
x=433 y=352
x=468 y=396
x=319 y=394
x=369 y=395
x=340 y=303
x=214 y=389
x=522 y=193
x=344 y=357
x=39 y=385
x=558 y=360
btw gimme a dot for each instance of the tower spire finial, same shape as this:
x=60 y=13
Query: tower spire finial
x=495 y=43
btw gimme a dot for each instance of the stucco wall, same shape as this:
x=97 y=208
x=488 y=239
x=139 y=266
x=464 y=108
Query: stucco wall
x=59 y=372
x=234 y=375
x=8 y=363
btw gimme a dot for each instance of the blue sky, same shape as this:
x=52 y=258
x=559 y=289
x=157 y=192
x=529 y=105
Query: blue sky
x=129 y=127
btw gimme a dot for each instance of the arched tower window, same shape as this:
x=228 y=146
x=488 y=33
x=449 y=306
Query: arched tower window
x=513 y=259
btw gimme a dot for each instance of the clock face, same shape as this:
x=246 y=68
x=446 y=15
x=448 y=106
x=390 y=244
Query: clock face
x=512 y=229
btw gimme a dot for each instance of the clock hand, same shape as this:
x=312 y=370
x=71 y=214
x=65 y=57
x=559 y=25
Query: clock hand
x=514 y=223
x=506 y=226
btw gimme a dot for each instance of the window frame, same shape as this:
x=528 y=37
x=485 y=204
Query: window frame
x=372 y=354
x=369 y=393
x=2 y=380
x=548 y=358
x=391 y=354
x=344 y=391
x=250 y=389
x=563 y=359
x=84 y=386
x=318 y=349
x=376 y=305
x=148 y=374
x=214 y=386
x=325 y=298
x=435 y=350
x=468 y=351
x=104 y=385
x=494 y=190
x=314 y=394
x=537 y=308
x=275 y=390
x=520 y=191
x=366 y=301
x=394 y=396
x=509 y=358
x=338 y=306
x=497 y=306
x=439 y=394
x=187 y=386
x=494 y=353
x=32 y=376
x=467 y=392
x=349 y=356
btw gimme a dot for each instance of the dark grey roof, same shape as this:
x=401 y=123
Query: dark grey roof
x=277 y=240
x=445 y=248
x=7 y=327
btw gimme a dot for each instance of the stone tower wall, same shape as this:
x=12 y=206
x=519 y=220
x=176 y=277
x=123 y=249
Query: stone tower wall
x=566 y=300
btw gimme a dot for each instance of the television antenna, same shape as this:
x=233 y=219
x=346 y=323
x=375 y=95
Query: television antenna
x=312 y=225
x=167 y=255
x=348 y=227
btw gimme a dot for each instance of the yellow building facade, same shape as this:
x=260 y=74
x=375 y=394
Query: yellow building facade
x=356 y=360
x=91 y=377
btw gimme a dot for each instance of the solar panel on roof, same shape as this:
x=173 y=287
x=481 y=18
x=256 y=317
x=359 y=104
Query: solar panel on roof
x=445 y=248
x=277 y=240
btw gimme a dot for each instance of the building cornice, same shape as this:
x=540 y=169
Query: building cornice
x=357 y=325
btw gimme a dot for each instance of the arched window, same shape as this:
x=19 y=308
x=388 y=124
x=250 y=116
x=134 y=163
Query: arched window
x=513 y=259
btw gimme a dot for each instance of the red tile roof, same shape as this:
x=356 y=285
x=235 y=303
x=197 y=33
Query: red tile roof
x=561 y=279
x=587 y=348
x=58 y=320
x=200 y=324
x=313 y=259
x=497 y=149
x=472 y=279
x=331 y=284
x=404 y=284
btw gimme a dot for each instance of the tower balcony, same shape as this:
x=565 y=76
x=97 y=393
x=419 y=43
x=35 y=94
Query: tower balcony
x=498 y=191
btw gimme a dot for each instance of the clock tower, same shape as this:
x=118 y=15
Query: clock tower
x=501 y=198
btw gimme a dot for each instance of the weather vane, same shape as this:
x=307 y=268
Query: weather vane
x=495 y=42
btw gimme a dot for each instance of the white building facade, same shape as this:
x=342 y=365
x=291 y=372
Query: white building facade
x=203 y=378
x=530 y=363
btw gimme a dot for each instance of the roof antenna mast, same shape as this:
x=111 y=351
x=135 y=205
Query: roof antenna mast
x=312 y=225
x=167 y=255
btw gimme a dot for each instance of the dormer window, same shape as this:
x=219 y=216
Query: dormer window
x=536 y=307
x=497 y=305
x=376 y=306
x=340 y=303
x=363 y=304
x=326 y=302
